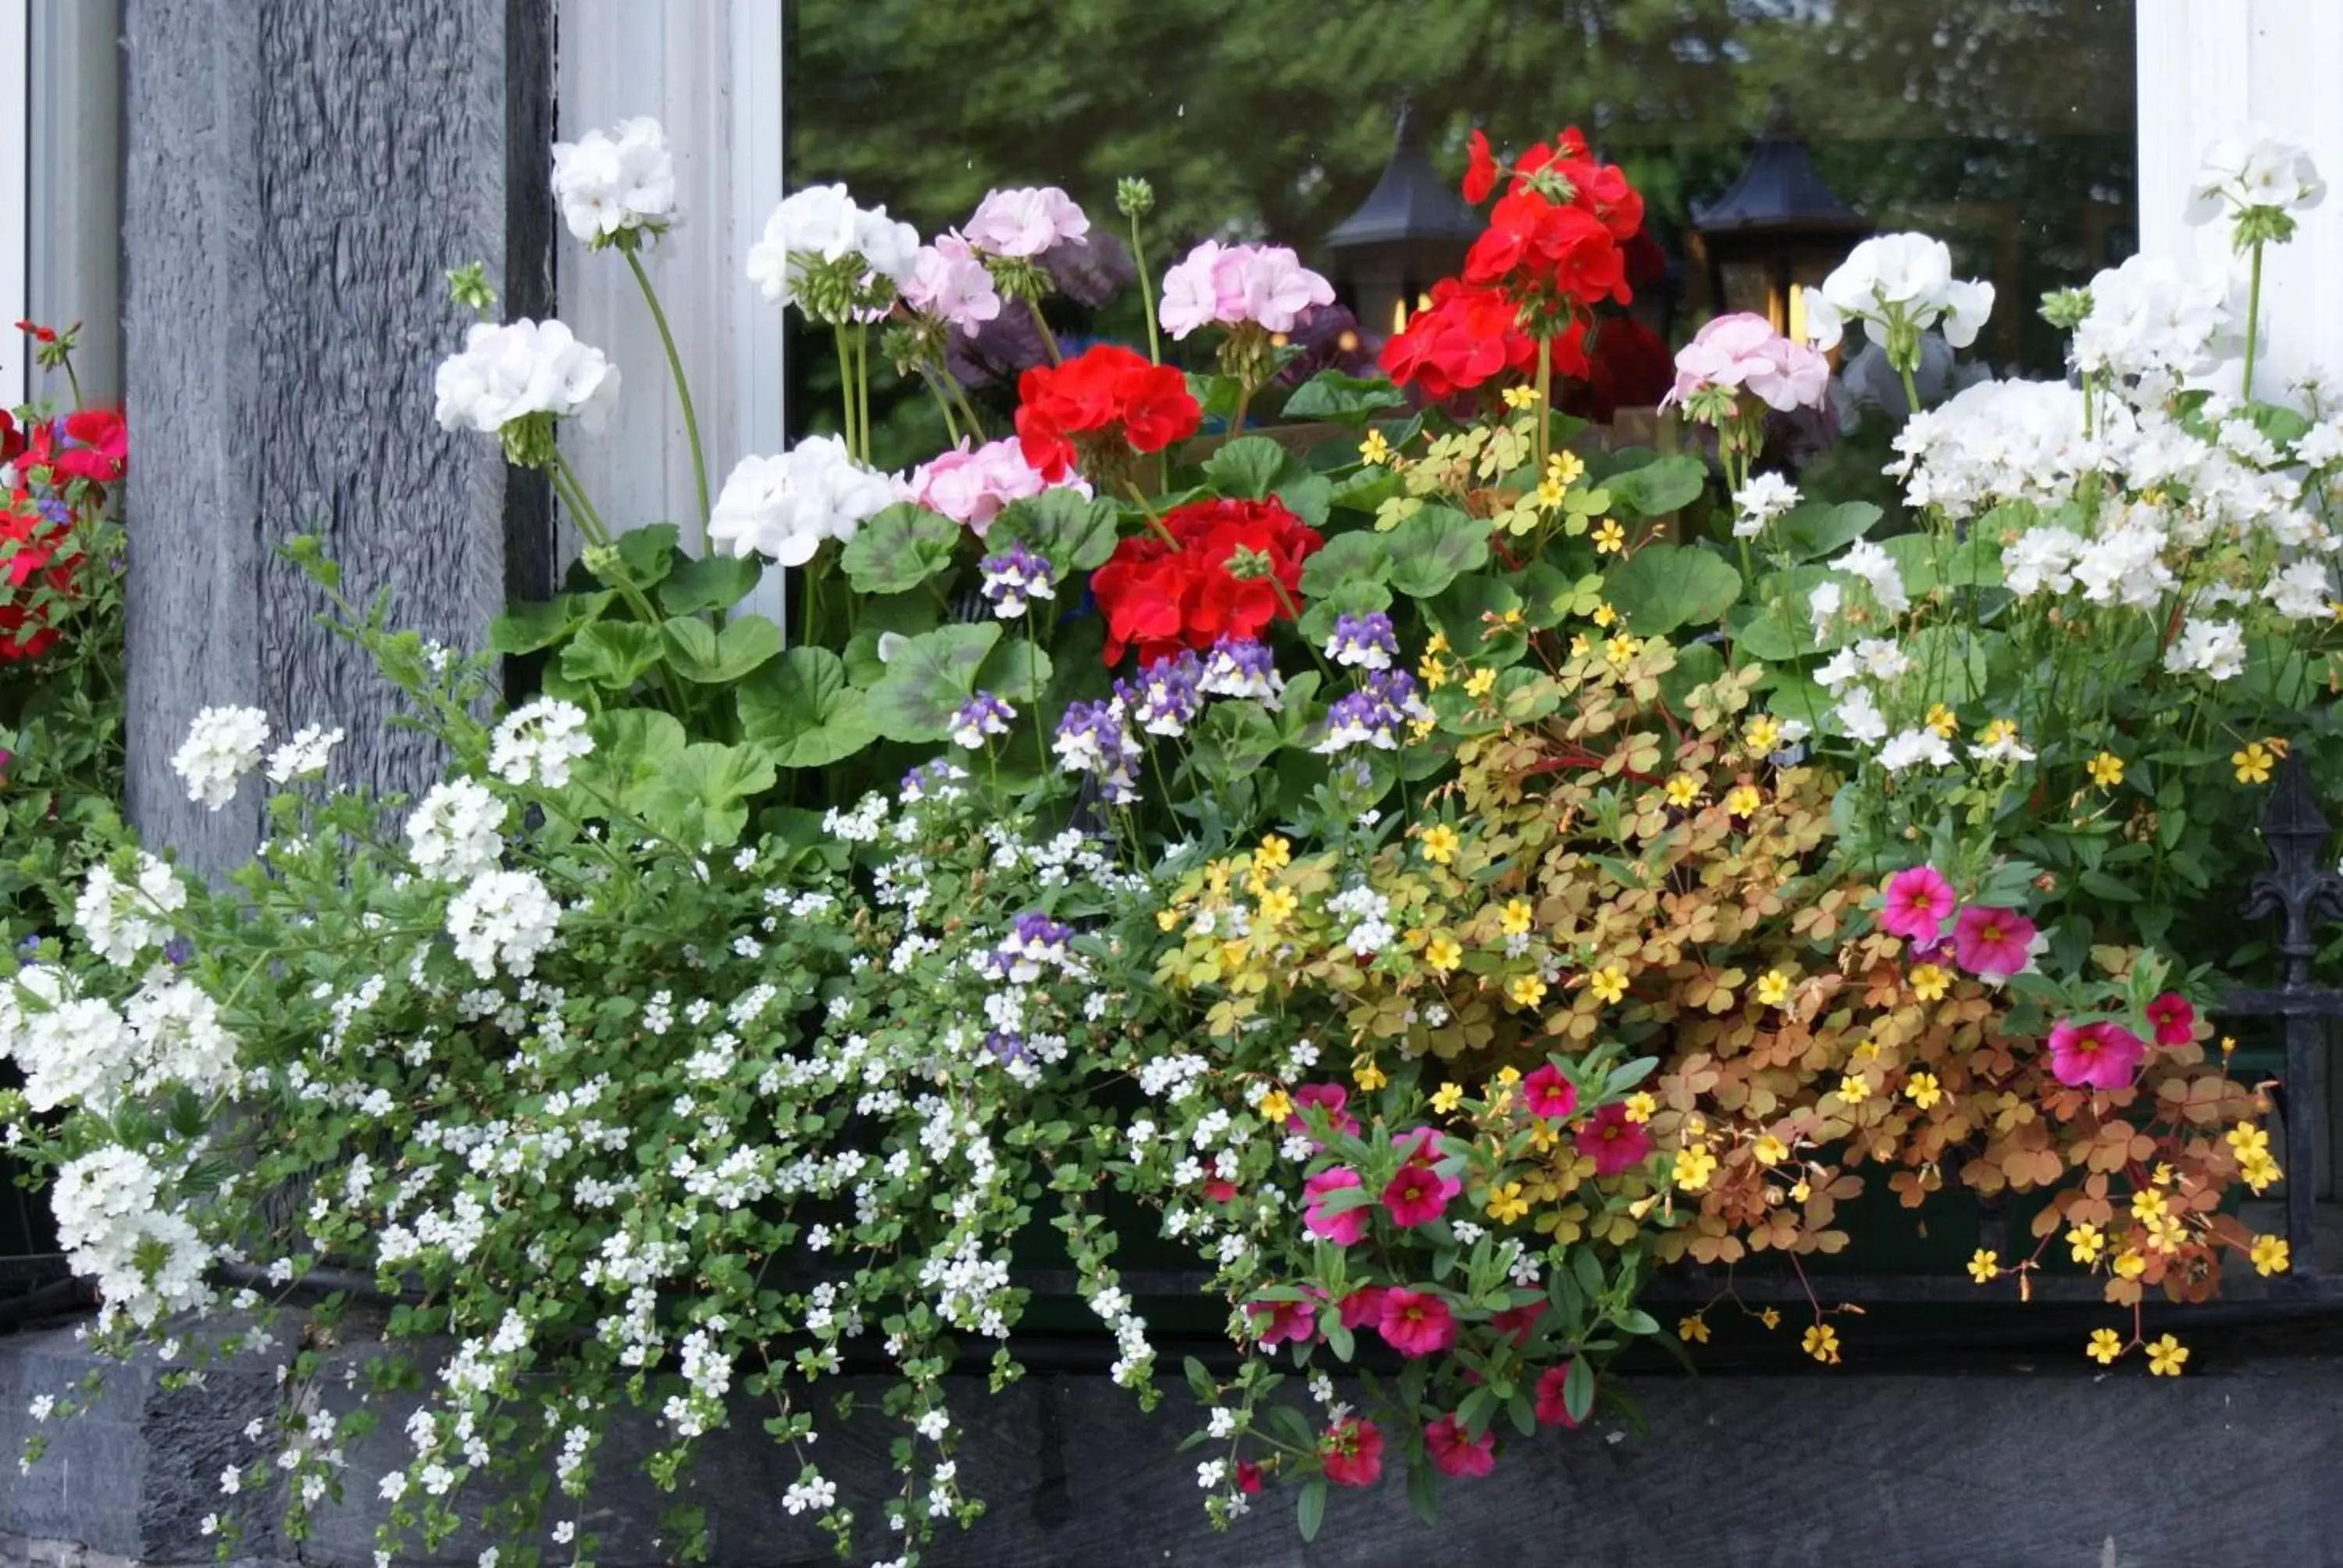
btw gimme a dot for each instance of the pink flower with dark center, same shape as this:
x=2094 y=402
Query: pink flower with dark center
x=1416 y=1196
x=2174 y=1020
x=1917 y=901
x=1330 y=1097
x=1552 y=1410
x=2099 y=1055
x=1613 y=1142
x=1351 y=1453
x=1276 y=1322
x=1344 y=1227
x=1416 y=1323
x=1744 y=350
x=1521 y=1322
x=1025 y=222
x=1456 y=1451
x=1993 y=944
x=1362 y=1308
x=1549 y=1094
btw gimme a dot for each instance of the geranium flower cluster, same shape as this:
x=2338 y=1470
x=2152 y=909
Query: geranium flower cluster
x=1205 y=571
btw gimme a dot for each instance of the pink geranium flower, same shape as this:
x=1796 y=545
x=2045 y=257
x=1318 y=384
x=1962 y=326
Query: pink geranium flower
x=2101 y=1055
x=1352 y=1454
x=970 y=487
x=1276 y=1322
x=1416 y=1323
x=1362 y=1308
x=1613 y=1142
x=2174 y=1020
x=1917 y=901
x=1993 y=944
x=1329 y=1097
x=1549 y=1094
x=1025 y=222
x=1551 y=1409
x=1232 y=284
x=948 y=280
x=1455 y=1452
x=1744 y=350
x=1416 y=1196
x=1344 y=1227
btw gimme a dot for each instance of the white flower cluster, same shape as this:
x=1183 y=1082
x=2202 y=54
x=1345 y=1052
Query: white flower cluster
x=783 y=507
x=822 y=224
x=502 y=918
x=537 y=741
x=147 y=1261
x=520 y=369
x=1897 y=285
x=611 y=183
x=306 y=755
x=2148 y=318
x=456 y=831
x=2253 y=167
x=223 y=745
x=120 y=920
x=1993 y=442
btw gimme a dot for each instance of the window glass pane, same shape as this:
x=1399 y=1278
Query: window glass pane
x=2003 y=127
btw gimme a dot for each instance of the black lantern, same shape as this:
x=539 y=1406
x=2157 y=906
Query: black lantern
x=1779 y=230
x=1411 y=230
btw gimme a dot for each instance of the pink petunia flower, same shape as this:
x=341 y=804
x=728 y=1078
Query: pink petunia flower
x=1613 y=1142
x=1549 y=1094
x=2174 y=1018
x=1455 y=1452
x=1521 y=1322
x=1025 y=222
x=1278 y=1320
x=1362 y=1308
x=1344 y=1227
x=1351 y=1453
x=1744 y=350
x=1248 y=1477
x=2101 y=1055
x=1329 y=1097
x=1552 y=1410
x=1917 y=901
x=1993 y=944
x=1416 y=1196
x=1416 y=1323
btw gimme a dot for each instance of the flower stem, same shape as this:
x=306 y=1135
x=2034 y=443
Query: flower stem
x=845 y=384
x=1048 y=338
x=951 y=426
x=2253 y=319
x=682 y=388
x=1911 y=390
x=1146 y=292
x=1544 y=393
x=862 y=384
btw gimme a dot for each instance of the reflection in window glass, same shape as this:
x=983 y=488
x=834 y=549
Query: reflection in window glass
x=2003 y=127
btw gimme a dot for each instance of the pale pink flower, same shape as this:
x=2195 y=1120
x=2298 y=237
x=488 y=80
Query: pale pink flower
x=971 y=487
x=1229 y=284
x=1277 y=288
x=949 y=282
x=1744 y=350
x=1025 y=222
x=1191 y=291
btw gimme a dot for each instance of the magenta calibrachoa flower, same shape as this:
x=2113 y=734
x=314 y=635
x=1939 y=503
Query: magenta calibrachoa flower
x=1277 y=1321
x=2097 y=1055
x=1917 y=901
x=1613 y=1142
x=1352 y=1452
x=1455 y=1450
x=1549 y=1094
x=1343 y=1229
x=2174 y=1020
x=1551 y=1409
x=1993 y=944
x=1329 y=1097
x=1416 y=1323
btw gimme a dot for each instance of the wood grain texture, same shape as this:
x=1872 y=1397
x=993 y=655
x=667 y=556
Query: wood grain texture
x=299 y=177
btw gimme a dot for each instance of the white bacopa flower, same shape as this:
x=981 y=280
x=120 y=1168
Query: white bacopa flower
x=2253 y=167
x=1897 y=283
x=519 y=369
x=311 y=747
x=456 y=831
x=608 y=182
x=784 y=507
x=537 y=741
x=1757 y=503
x=223 y=745
x=502 y=918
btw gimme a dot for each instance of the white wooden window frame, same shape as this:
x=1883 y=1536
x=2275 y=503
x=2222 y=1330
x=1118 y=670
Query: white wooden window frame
x=60 y=190
x=15 y=195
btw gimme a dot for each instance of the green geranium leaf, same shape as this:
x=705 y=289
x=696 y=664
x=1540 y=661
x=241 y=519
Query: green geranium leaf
x=611 y=654
x=1360 y=557
x=900 y=549
x=697 y=652
x=1234 y=742
x=701 y=796
x=1072 y=533
x=927 y=680
x=711 y=582
x=1433 y=548
x=1344 y=399
x=1814 y=529
x=527 y=627
x=1471 y=611
x=1216 y=396
x=1309 y=497
x=1361 y=596
x=801 y=709
x=1659 y=488
x=1663 y=587
x=647 y=554
x=1015 y=671
x=1250 y=466
x=631 y=746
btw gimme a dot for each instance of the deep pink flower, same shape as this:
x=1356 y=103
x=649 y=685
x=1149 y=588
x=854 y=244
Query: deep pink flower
x=1418 y=1144
x=1455 y=1452
x=1551 y=1409
x=1278 y=1320
x=1248 y=1477
x=1549 y=1094
x=1917 y=901
x=1993 y=944
x=1613 y=1142
x=1744 y=350
x=1329 y=1097
x=1352 y=1452
x=1362 y=1308
x=1416 y=1196
x=1521 y=1322
x=1219 y=1188
x=1416 y=1323
x=2101 y=1055
x=1344 y=1227
x=2175 y=1019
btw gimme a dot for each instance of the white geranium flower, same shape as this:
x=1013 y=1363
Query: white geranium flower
x=822 y=224
x=2149 y=318
x=2039 y=559
x=2301 y=591
x=1867 y=559
x=609 y=182
x=783 y=507
x=1911 y=748
x=2253 y=167
x=524 y=367
x=1858 y=714
x=1897 y=282
x=2212 y=647
x=223 y=745
x=1764 y=497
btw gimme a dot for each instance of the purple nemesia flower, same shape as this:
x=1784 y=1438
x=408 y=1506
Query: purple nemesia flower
x=1167 y=696
x=1005 y=1047
x=52 y=509
x=1095 y=740
x=1015 y=577
x=177 y=952
x=1240 y=667
x=935 y=777
x=30 y=948
x=1364 y=640
x=1034 y=941
x=1374 y=714
x=980 y=716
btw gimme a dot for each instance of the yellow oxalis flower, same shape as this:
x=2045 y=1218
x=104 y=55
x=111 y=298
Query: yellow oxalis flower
x=1929 y=981
x=1604 y=615
x=2166 y=1356
x=1621 y=647
x=1520 y=398
x=2085 y=1243
x=2107 y=770
x=1608 y=984
x=1480 y=683
x=1770 y=1318
x=1610 y=538
x=1273 y=853
x=1923 y=1090
x=1764 y=734
x=1854 y=1088
x=2253 y=764
x=1440 y=842
x=1640 y=1106
x=1275 y=1107
x=1984 y=1267
x=1369 y=1076
x=1743 y=800
x=1773 y=988
x=1447 y=1098
x=1513 y=920
x=2246 y=1139
x=2130 y=1264
x=1682 y=789
x=1277 y=904
x=1943 y=720
x=2147 y=1203
x=1693 y=1329
x=2269 y=1255
x=1374 y=449
x=1821 y=1341
x=2104 y=1346
x=1566 y=466
x=1526 y=990
x=1771 y=1151
x=1506 y=1203
x=1695 y=1166
x=1443 y=953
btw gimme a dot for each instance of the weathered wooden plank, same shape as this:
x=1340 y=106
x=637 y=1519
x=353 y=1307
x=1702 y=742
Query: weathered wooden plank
x=299 y=176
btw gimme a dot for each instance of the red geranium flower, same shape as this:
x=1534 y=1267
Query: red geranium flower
x=96 y=447
x=1352 y=1454
x=1535 y=242
x=1464 y=337
x=1479 y=169
x=1160 y=595
x=11 y=439
x=1107 y=400
x=29 y=546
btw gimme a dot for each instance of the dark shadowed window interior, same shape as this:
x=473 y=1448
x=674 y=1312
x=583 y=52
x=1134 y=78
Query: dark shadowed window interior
x=1766 y=135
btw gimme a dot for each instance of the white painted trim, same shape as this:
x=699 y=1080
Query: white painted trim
x=710 y=74
x=2206 y=66
x=15 y=196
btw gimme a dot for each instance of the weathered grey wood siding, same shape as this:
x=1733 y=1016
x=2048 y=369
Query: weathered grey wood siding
x=299 y=175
